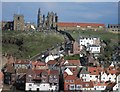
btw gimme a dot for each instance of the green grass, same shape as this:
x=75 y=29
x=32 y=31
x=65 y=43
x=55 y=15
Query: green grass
x=33 y=43
x=73 y=57
x=104 y=35
x=36 y=42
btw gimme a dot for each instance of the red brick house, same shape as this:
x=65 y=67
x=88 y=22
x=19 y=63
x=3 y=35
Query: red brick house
x=39 y=65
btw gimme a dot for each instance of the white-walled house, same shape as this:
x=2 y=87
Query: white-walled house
x=112 y=77
x=98 y=85
x=39 y=87
x=85 y=41
x=84 y=75
x=94 y=48
x=104 y=76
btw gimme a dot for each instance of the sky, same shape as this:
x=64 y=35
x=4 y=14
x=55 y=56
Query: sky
x=90 y=12
x=60 y=0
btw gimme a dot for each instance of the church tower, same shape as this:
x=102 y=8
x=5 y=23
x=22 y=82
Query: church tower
x=18 y=22
x=39 y=19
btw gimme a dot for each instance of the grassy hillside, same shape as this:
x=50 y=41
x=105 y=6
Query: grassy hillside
x=104 y=35
x=27 y=44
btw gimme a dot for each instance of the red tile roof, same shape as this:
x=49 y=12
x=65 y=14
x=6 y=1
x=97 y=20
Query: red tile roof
x=75 y=71
x=38 y=71
x=21 y=70
x=22 y=62
x=71 y=24
x=72 y=62
x=38 y=63
x=78 y=81
x=93 y=70
x=70 y=77
x=52 y=62
x=53 y=72
x=112 y=71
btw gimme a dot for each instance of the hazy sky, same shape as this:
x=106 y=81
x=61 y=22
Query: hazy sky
x=99 y=12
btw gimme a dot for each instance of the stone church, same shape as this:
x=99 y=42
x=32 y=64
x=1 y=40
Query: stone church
x=46 y=22
x=19 y=22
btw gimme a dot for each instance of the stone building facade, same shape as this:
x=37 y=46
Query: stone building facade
x=113 y=27
x=7 y=25
x=46 y=22
x=18 y=22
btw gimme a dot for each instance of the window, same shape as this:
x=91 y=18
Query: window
x=86 y=85
x=72 y=87
x=66 y=81
x=71 y=81
x=102 y=86
x=78 y=87
x=30 y=84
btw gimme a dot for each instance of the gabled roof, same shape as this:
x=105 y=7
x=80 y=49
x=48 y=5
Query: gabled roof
x=112 y=71
x=37 y=71
x=38 y=63
x=71 y=24
x=70 y=77
x=53 y=72
x=93 y=70
x=22 y=62
x=74 y=70
x=20 y=70
x=68 y=71
x=51 y=62
x=78 y=81
x=72 y=62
